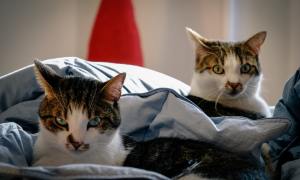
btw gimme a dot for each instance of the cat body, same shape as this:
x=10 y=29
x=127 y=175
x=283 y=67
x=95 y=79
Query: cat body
x=79 y=120
x=228 y=74
x=227 y=79
x=185 y=159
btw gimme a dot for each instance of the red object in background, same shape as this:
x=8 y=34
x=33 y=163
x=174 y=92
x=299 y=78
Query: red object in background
x=115 y=37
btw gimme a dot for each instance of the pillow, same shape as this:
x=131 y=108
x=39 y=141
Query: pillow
x=158 y=113
x=165 y=113
x=146 y=114
x=283 y=147
x=21 y=85
x=20 y=93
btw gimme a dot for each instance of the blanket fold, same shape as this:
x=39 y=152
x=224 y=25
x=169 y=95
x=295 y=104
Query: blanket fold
x=152 y=106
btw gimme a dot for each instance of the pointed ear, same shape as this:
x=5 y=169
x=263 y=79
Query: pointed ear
x=255 y=42
x=201 y=47
x=46 y=77
x=112 y=90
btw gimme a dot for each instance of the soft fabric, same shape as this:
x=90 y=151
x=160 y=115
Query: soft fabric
x=158 y=113
x=285 y=150
x=16 y=147
x=20 y=93
x=213 y=109
x=164 y=113
x=146 y=114
x=76 y=171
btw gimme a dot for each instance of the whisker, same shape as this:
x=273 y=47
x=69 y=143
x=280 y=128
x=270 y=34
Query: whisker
x=213 y=94
x=217 y=100
x=218 y=97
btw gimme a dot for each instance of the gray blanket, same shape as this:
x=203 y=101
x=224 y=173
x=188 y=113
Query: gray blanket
x=152 y=106
x=286 y=148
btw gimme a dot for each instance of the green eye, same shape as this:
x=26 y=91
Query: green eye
x=218 y=69
x=61 y=121
x=245 y=68
x=94 y=122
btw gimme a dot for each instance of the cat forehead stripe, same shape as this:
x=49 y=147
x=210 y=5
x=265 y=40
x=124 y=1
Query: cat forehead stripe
x=79 y=98
x=218 y=53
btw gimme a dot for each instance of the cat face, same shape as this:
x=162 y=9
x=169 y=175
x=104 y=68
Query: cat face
x=227 y=70
x=78 y=114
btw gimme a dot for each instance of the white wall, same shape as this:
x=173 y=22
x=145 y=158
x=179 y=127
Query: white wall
x=43 y=29
x=36 y=29
x=48 y=29
x=166 y=46
x=294 y=35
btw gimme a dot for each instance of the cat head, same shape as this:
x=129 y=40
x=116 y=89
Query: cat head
x=226 y=69
x=78 y=113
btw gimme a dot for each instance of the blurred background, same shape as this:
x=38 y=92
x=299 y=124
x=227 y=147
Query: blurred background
x=56 y=28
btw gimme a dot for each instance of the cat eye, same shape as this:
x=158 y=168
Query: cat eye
x=94 y=122
x=61 y=121
x=218 y=69
x=245 y=68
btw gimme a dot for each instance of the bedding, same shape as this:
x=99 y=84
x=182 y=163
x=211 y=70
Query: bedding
x=152 y=106
x=285 y=150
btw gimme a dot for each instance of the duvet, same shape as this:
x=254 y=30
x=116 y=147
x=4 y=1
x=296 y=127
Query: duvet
x=152 y=106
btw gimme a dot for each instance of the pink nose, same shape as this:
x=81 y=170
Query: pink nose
x=74 y=143
x=233 y=85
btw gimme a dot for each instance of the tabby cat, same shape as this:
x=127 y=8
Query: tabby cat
x=79 y=120
x=189 y=159
x=79 y=123
x=227 y=77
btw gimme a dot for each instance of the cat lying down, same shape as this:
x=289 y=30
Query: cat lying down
x=80 y=120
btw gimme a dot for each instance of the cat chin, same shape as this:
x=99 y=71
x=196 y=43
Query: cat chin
x=231 y=96
x=54 y=154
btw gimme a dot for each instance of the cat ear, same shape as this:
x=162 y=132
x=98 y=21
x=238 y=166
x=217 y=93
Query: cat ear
x=46 y=77
x=112 y=90
x=255 y=42
x=199 y=41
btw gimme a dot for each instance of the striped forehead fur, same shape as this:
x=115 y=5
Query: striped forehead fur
x=78 y=94
x=217 y=52
x=79 y=91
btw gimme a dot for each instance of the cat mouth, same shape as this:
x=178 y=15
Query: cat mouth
x=233 y=93
x=77 y=149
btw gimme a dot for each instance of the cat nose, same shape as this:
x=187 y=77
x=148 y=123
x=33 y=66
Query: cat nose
x=75 y=144
x=233 y=85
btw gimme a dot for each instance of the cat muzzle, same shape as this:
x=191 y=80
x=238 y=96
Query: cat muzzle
x=233 y=89
x=76 y=145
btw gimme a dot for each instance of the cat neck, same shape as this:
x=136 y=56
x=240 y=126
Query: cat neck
x=250 y=100
x=214 y=109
